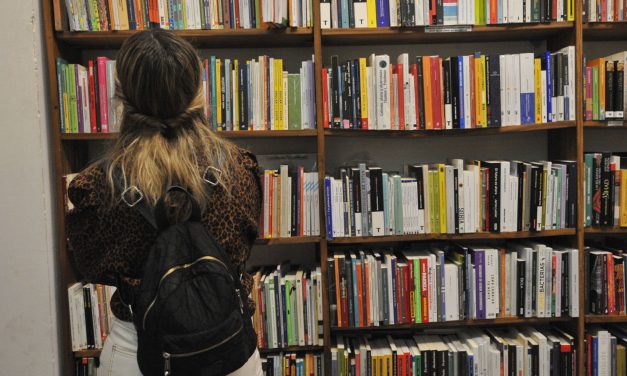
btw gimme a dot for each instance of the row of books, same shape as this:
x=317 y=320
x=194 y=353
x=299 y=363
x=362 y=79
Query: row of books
x=90 y=316
x=259 y=94
x=288 y=306
x=605 y=189
x=291 y=203
x=604 y=87
x=431 y=92
x=606 y=350
x=445 y=282
x=407 y=13
x=86 y=366
x=292 y=364
x=604 y=10
x=511 y=351
x=255 y=95
x=459 y=197
x=106 y=15
x=605 y=277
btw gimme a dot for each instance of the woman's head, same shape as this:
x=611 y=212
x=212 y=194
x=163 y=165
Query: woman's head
x=165 y=137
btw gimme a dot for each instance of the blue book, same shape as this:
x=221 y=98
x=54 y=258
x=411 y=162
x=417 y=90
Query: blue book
x=549 y=87
x=60 y=86
x=212 y=81
x=327 y=195
x=460 y=69
x=393 y=291
x=383 y=13
x=344 y=11
x=595 y=356
x=527 y=87
x=479 y=261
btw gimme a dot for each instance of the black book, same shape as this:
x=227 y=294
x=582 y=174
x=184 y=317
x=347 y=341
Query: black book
x=357 y=84
x=494 y=82
x=494 y=189
x=243 y=97
x=511 y=358
x=89 y=320
x=346 y=96
x=565 y=283
x=442 y=363
x=520 y=277
x=619 y=71
x=421 y=94
x=356 y=199
x=596 y=188
x=376 y=201
x=609 y=90
x=455 y=90
x=132 y=21
x=607 y=192
x=349 y=292
x=295 y=201
x=446 y=70
x=97 y=97
x=353 y=99
x=536 y=197
x=223 y=96
x=351 y=14
x=594 y=265
x=331 y=291
x=411 y=13
x=520 y=169
x=335 y=91
x=440 y=12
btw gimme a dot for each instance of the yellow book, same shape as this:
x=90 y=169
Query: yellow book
x=372 y=13
x=477 y=109
x=235 y=94
x=570 y=10
x=219 y=94
x=184 y=11
x=66 y=111
x=363 y=92
x=279 y=83
x=385 y=359
x=277 y=95
x=621 y=354
x=123 y=14
x=623 y=198
x=537 y=89
x=442 y=181
x=484 y=94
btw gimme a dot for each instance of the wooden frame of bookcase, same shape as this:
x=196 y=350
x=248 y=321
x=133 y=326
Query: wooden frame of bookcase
x=565 y=141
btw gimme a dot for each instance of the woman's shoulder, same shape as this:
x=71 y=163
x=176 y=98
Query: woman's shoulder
x=247 y=159
x=88 y=187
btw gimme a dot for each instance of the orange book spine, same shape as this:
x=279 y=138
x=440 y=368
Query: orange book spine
x=360 y=292
x=426 y=72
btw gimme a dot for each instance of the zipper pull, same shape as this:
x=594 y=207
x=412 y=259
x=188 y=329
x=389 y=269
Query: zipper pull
x=166 y=367
x=239 y=297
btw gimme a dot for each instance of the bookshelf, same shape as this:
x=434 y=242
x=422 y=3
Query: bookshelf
x=564 y=140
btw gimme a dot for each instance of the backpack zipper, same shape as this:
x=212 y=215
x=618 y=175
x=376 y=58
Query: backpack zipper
x=180 y=267
x=167 y=356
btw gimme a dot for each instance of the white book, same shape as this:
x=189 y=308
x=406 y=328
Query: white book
x=516 y=88
x=383 y=84
x=528 y=11
x=301 y=310
x=425 y=189
x=468 y=226
x=509 y=309
x=461 y=12
x=394 y=21
x=549 y=282
x=507 y=9
x=413 y=191
x=544 y=98
x=84 y=93
x=372 y=92
x=450 y=202
x=74 y=315
x=570 y=90
x=419 y=12
x=467 y=117
x=411 y=104
x=114 y=124
x=325 y=15
x=604 y=353
x=514 y=11
x=433 y=306
x=513 y=279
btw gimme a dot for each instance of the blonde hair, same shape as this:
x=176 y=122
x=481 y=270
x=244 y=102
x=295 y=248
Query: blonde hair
x=165 y=138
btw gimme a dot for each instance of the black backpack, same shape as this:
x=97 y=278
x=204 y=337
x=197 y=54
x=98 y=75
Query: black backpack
x=189 y=310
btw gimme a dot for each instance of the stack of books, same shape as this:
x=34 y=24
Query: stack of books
x=605 y=189
x=290 y=203
x=106 y=15
x=606 y=350
x=604 y=10
x=521 y=351
x=255 y=95
x=451 y=283
x=90 y=316
x=407 y=13
x=288 y=307
x=604 y=87
x=292 y=364
x=605 y=277
x=455 y=198
x=430 y=92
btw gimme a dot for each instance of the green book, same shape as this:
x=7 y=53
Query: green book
x=588 y=175
x=595 y=93
x=60 y=90
x=431 y=202
x=535 y=10
x=288 y=311
x=203 y=19
x=398 y=206
x=257 y=14
x=293 y=102
x=417 y=290
x=436 y=201
x=71 y=79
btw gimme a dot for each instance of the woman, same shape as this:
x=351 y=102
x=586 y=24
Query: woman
x=165 y=139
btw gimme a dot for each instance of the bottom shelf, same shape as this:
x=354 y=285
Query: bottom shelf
x=454 y=324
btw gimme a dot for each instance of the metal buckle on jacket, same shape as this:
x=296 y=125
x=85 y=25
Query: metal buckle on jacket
x=136 y=193
x=212 y=172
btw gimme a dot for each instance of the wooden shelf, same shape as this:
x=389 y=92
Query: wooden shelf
x=606 y=319
x=288 y=241
x=603 y=124
x=605 y=31
x=473 y=236
x=421 y=34
x=334 y=132
x=87 y=353
x=230 y=134
x=291 y=349
x=200 y=38
x=456 y=324
x=605 y=230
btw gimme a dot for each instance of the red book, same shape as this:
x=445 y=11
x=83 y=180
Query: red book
x=92 y=97
x=433 y=17
x=554 y=10
x=589 y=354
x=154 y=15
x=412 y=292
x=399 y=294
x=400 y=88
x=424 y=290
x=436 y=92
x=325 y=98
x=603 y=10
x=360 y=293
x=226 y=11
x=102 y=91
x=407 y=292
x=611 y=297
x=301 y=229
x=236 y=15
x=207 y=89
x=414 y=72
x=473 y=103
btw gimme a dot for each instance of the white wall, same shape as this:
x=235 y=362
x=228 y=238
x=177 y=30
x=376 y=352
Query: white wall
x=28 y=325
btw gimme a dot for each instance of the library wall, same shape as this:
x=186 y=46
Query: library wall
x=28 y=321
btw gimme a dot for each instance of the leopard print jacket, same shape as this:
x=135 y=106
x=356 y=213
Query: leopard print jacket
x=110 y=240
